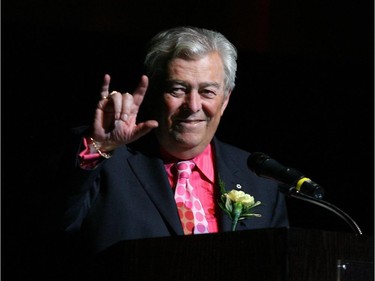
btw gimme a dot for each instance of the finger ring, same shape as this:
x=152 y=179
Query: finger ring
x=111 y=94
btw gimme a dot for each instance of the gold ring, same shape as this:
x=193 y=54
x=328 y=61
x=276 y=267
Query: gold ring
x=111 y=94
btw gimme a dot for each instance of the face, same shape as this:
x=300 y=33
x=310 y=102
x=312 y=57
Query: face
x=192 y=105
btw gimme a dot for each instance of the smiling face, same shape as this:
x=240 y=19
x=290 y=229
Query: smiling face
x=192 y=105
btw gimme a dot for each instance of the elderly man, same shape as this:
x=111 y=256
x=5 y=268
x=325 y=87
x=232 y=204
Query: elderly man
x=158 y=170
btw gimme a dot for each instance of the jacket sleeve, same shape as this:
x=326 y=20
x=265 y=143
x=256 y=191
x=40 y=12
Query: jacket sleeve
x=76 y=188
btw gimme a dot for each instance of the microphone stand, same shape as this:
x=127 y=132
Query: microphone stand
x=295 y=194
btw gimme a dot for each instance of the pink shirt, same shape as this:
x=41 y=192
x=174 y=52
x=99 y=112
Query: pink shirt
x=202 y=178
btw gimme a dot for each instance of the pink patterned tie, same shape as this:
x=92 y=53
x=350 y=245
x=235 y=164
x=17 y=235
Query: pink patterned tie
x=189 y=207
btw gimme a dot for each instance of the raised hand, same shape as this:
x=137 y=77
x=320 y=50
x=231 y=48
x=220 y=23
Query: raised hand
x=115 y=120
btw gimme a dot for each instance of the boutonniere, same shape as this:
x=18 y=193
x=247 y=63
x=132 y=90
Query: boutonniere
x=238 y=205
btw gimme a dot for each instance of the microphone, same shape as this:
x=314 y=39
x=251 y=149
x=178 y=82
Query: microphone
x=291 y=179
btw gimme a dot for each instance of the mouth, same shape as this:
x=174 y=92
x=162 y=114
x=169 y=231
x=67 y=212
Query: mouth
x=192 y=122
x=188 y=122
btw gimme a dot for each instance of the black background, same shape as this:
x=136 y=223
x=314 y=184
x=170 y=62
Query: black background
x=304 y=95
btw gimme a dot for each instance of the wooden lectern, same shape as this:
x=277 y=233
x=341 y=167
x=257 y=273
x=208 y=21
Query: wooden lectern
x=285 y=254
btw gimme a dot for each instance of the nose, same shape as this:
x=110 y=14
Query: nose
x=193 y=101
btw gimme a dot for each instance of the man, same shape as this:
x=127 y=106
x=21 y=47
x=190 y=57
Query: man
x=122 y=183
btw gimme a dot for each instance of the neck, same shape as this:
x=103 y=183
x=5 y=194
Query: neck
x=174 y=155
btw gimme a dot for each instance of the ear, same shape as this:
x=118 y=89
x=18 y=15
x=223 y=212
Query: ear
x=225 y=102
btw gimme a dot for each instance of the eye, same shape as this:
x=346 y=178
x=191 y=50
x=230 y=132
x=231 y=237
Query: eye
x=177 y=91
x=208 y=93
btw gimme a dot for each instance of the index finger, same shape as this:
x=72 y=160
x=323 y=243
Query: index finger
x=105 y=87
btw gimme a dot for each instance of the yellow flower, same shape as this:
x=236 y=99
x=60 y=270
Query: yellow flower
x=237 y=204
x=241 y=197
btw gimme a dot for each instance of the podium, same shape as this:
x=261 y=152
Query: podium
x=285 y=254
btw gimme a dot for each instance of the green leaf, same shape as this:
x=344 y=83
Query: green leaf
x=222 y=186
x=251 y=215
x=228 y=204
x=221 y=205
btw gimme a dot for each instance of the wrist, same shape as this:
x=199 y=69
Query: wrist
x=102 y=150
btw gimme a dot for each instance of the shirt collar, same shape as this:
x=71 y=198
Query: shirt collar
x=204 y=161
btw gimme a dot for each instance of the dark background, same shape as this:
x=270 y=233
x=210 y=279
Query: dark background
x=304 y=95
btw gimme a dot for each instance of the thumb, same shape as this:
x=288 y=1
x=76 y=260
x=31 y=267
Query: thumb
x=145 y=127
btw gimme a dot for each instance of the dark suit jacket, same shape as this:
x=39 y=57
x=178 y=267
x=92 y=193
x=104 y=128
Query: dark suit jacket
x=129 y=197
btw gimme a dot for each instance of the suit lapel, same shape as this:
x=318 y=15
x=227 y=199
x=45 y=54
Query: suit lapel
x=227 y=172
x=233 y=171
x=156 y=184
x=232 y=174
